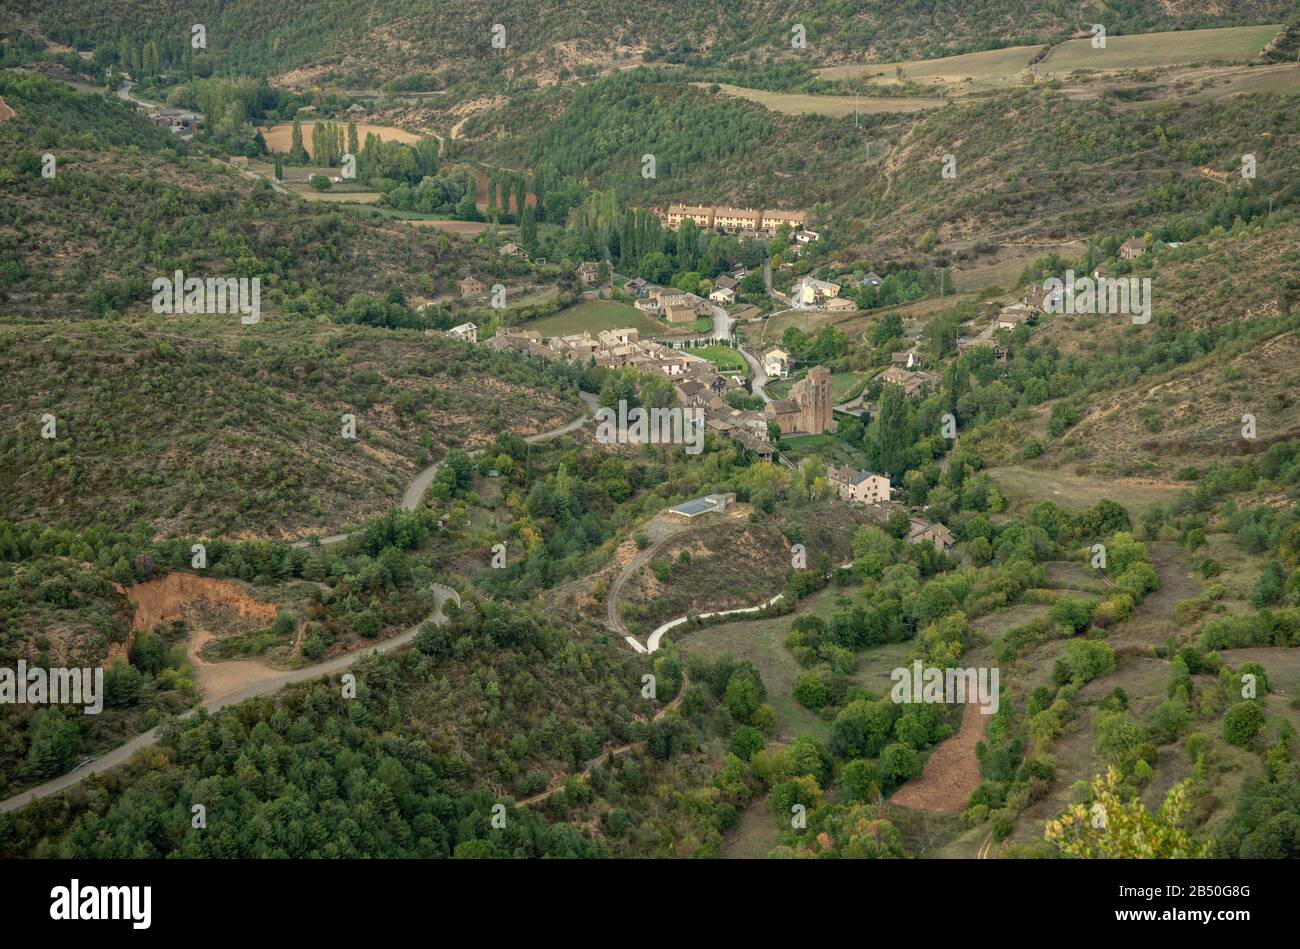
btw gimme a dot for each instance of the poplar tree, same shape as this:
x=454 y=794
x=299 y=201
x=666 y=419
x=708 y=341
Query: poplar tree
x=297 y=151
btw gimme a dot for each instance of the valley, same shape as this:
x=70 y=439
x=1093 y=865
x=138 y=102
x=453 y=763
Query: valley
x=363 y=573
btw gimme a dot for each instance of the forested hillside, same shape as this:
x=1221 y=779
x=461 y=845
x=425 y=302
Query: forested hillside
x=413 y=46
x=127 y=205
x=389 y=590
x=1162 y=400
x=1028 y=164
x=200 y=424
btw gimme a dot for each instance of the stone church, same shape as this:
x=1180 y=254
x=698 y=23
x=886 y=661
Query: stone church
x=808 y=410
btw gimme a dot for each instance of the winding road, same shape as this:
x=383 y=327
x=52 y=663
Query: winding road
x=121 y=754
x=760 y=376
x=415 y=490
x=660 y=532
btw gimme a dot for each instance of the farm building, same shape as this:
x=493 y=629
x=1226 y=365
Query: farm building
x=1132 y=248
x=704 y=505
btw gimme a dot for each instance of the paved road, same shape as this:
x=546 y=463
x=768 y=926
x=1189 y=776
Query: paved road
x=853 y=406
x=410 y=501
x=654 y=639
x=659 y=530
x=122 y=753
x=756 y=369
x=415 y=490
x=124 y=93
x=722 y=324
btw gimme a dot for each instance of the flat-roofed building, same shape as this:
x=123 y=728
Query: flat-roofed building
x=705 y=505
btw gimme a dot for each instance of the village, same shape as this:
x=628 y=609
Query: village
x=808 y=409
x=698 y=385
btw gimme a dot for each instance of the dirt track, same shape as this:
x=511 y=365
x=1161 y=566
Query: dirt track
x=122 y=753
x=951 y=773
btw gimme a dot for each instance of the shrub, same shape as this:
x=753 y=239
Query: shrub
x=861 y=778
x=1084 y=660
x=1242 y=723
x=810 y=691
x=746 y=740
x=899 y=762
x=1073 y=614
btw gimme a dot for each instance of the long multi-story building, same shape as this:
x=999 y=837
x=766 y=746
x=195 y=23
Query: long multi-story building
x=731 y=219
x=677 y=213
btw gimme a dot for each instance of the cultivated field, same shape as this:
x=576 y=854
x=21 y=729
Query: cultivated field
x=338 y=197
x=280 y=137
x=1003 y=268
x=1150 y=50
x=451 y=227
x=837 y=106
x=1001 y=68
x=991 y=69
x=762 y=642
x=1207 y=83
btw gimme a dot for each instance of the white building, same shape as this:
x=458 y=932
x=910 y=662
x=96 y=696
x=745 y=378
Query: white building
x=809 y=291
x=865 y=487
x=466 y=331
x=776 y=363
